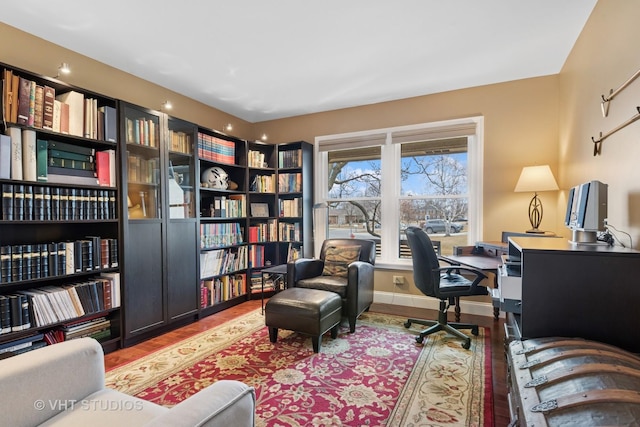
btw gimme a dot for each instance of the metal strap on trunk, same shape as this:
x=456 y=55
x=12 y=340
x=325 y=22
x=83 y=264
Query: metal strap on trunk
x=581 y=370
x=619 y=355
x=559 y=343
x=588 y=398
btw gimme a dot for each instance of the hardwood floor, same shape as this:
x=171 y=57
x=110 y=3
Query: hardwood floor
x=501 y=407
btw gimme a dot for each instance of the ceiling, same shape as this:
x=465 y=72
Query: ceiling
x=267 y=59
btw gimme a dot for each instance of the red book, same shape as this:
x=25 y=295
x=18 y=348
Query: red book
x=103 y=168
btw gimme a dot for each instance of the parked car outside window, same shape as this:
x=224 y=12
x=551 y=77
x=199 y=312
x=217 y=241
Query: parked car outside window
x=439 y=226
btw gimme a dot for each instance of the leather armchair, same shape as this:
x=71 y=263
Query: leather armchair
x=356 y=290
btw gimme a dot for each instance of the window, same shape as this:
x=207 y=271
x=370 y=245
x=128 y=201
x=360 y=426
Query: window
x=375 y=184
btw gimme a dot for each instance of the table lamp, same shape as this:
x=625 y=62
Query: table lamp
x=536 y=178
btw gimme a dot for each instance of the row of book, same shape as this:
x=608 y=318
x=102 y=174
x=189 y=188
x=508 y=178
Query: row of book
x=223 y=261
x=290 y=159
x=264 y=232
x=142 y=131
x=180 y=142
x=220 y=289
x=98 y=328
x=24 y=157
x=216 y=149
x=232 y=206
x=263 y=184
x=290 y=207
x=22 y=345
x=289 y=182
x=142 y=170
x=28 y=103
x=42 y=260
x=256 y=159
x=263 y=282
x=48 y=305
x=24 y=202
x=256 y=256
x=220 y=234
x=289 y=232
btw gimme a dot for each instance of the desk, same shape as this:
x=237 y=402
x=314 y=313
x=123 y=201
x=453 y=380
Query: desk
x=278 y=274
x=485 y=256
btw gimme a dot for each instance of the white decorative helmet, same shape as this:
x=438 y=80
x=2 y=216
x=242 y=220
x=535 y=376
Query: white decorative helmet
x=215 y=177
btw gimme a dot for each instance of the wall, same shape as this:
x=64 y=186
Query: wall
x=604 y=57
x=521 y=125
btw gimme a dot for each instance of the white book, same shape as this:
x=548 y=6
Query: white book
x=5 y=157
x=57 y=106
x=29 y=168
x=115 y=290
x=16 y=152
x=75 y=101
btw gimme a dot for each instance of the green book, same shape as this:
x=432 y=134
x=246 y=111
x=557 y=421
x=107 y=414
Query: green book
x=71 y=164
x=57 y=145
x=41 y=160
x=70 y=155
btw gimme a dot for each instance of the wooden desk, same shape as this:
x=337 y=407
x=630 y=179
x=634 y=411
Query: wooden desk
x=485 y=256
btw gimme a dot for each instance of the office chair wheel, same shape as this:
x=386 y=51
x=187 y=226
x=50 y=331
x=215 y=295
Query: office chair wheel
x=419 y=339
x=474 y=331
x=407 y=324
x=466 y=344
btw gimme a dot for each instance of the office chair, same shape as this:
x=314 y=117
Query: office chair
x=352 y=279
x=442 y=282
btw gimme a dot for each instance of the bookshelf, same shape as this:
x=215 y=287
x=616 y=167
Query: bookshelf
x=160 y=226
x=222 y=198
x=59 y=223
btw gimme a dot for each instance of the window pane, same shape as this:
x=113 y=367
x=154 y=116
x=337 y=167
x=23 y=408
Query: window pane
x=354 y=175
x=436 y=169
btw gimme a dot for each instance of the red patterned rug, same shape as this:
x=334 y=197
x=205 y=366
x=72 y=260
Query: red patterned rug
x=378 y=376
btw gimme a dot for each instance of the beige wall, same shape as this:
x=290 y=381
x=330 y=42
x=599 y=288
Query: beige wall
x=604 y=57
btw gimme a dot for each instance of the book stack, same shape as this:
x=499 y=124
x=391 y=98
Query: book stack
x=24 y=202
x=289 y=182
x=99 y=328
x=27 y=103
x=214 y=291
x=266 y=232
x=142 y=131
x=179 y=142
x=21 y=345
x=290 y=159
x=231 y=206
x=41 y=260
x=263 y=184
x=220 y=234
x=15 y=314
x=216 y=149
x=223 y=261
x=54 y=304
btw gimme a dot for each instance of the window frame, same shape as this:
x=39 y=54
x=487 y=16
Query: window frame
x=390 y=186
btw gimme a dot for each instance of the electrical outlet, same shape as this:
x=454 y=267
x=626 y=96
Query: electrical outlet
x=398 y=280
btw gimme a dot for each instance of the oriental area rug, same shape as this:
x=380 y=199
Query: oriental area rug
x=377 y=376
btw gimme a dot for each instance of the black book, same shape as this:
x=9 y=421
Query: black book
x=44 y=260
x=84 y=292
x=55 y=203
x=46 y=204
x=25 y=312
x=55 y=170
x=26 y=262
x=62 y=258
x=73 y=203
x=96 y=251
x=97 y=302
x=7 y=202
x=77 y=256
x=113 y=205
x=5 y=264
x=5 y=314
x=18 y=202
x=15 y=303
x=93 y=204
x=113 y=252
x=64 y=204
x=16 y=263
x=87 y=255
x=53 y=259
x=28 y=202
x=38 y=203
x=35 y=262
x=84 y=204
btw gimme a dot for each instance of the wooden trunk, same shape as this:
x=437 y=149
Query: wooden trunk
x=572 y=382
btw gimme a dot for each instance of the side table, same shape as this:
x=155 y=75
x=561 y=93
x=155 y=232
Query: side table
x=277 y=273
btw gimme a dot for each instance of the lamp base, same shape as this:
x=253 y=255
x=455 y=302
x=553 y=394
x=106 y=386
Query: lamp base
x=536 y=231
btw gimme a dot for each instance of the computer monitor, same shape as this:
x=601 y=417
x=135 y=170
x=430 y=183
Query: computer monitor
x=586 y=211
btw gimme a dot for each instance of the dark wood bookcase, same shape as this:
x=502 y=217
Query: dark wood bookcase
x=59 y=224
x=222 y=198
x=160 y=226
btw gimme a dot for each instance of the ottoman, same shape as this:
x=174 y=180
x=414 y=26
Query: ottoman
x=307 y=311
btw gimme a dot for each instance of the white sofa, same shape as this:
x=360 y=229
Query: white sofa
x=63 y=385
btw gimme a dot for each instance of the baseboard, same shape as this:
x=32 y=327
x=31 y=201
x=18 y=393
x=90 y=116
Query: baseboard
x=420 y=301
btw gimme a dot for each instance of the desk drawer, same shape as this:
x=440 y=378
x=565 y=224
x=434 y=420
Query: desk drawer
x=510 y=286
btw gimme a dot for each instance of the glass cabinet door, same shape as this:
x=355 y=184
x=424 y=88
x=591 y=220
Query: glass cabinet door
x=181 y=173
x=142 y=131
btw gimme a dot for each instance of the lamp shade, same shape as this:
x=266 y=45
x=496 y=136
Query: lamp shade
x=536 y=178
